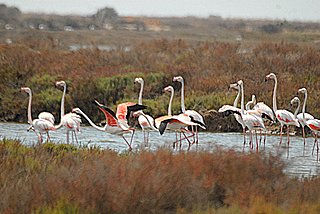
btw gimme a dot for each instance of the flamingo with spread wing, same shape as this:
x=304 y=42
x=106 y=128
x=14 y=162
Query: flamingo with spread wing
x=117 y=123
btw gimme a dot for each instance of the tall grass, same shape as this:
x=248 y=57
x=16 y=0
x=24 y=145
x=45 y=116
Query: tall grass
x=61 y=178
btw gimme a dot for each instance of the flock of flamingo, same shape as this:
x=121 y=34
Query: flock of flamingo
x=187 y=123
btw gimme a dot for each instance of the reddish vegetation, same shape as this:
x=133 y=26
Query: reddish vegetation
x=106 y=182
x=208 y=68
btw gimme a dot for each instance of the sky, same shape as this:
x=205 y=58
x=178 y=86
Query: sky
x=303 y=10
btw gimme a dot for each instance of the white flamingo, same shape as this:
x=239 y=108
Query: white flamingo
x=145 y=121
x=313 y=124
x=117 y=123
x=261 y=110
x=194 y=115
x=70 y=121
x=237 y=116
x=283 y=116
x=306 y=115
x=250 y=120
x=40 y=126
x=176 y=123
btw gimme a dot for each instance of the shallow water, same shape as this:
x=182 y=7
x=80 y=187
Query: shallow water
x=301 y=162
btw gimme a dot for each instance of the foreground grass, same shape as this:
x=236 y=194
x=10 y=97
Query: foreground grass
x=63 y=179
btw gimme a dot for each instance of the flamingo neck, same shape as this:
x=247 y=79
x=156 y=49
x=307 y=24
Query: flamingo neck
x=92 y=123
x=297 y=110
x=62 y=107
x=62 y=100
x=242 y=99
x=275 y=95
x=170 y=103
x=183 y=108
x=140 y=93
x=29 y=108
x=304 y=106
x=249 y=104
x=235 y=103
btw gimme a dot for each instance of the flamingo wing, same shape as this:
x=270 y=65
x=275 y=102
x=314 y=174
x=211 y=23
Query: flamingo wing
x=124 y=110
x=196 y=118
x=109 y=114
x=228 y=109
x=46 y=116
x=286 y=117
x=266 y=111
x=42 y=125
x=314 y=125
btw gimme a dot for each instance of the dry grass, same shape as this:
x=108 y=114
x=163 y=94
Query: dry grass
x=50 y=178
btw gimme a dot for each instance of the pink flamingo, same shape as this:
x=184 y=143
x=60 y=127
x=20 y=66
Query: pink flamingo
x=283 y=116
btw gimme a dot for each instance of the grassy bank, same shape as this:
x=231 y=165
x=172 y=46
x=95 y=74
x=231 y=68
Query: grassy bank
x=64 y=179
x=208 y=68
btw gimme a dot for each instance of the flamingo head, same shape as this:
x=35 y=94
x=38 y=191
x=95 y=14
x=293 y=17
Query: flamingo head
x=138 y=80
x=168 y=89
x=76 y=110
x=295 y=100
x=270 y=76
x=253 y=99
x=26 y=89
x=234 y=86
x=240 y=82
x=178 y=78
x=61 y=83
x=302 y=90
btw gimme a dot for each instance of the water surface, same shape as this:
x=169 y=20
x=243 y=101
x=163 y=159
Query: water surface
x=300 y=161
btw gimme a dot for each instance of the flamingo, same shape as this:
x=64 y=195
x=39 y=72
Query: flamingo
x=251 y=121
x=117 y=123
x=71 y=120
x=237 y=116
x=283 y=116
x=194 y=115
x=313 y=124
x=40 y=126
x=145 y=121
x=261 y=110
x=306 y=115
x=177 y=123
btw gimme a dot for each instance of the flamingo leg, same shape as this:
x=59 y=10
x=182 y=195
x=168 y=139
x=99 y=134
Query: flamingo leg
x=75 y=136
x=148 y=138
x=288 y=137
x=132 y=137
x=257 y=145
x=72 y=136
x=264 y=140
x=250 y=143
x=197 y=136
x=130 y=148
x=187 y=138
x=281 y=128
x=48 y=137
x=174 y=143
x=67 y=136
x=144 y=137
x=180 y=142
x=244 y=136
x=315 y=140
x=304 y=136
